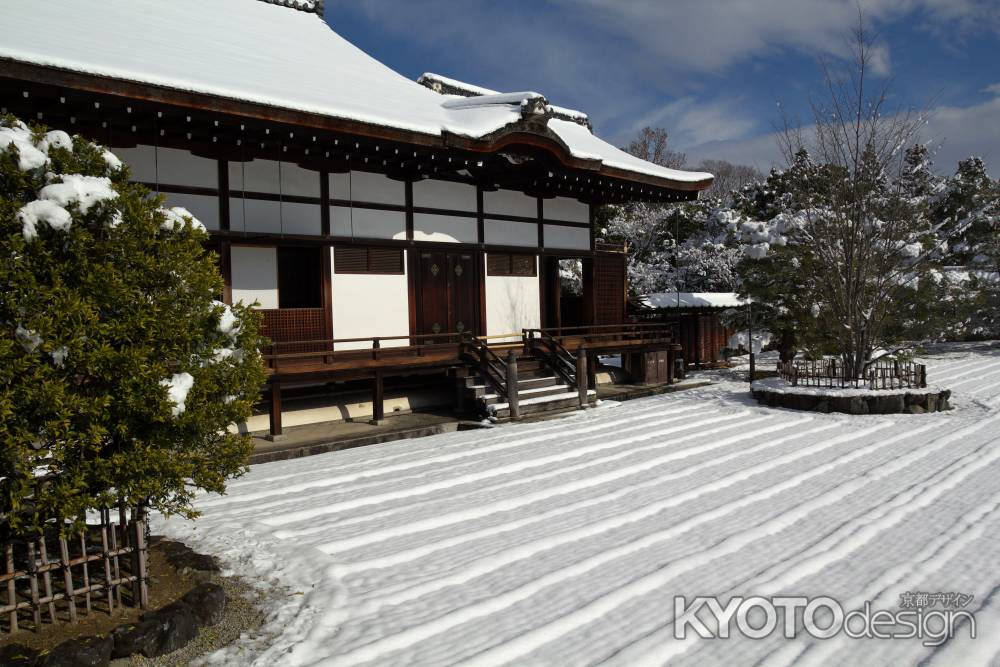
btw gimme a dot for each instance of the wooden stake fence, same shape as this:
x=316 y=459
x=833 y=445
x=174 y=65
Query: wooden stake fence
x=54 y=576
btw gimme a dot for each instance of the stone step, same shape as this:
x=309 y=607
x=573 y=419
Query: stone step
x=526 y=394
x=480 y=390
x=543 y=404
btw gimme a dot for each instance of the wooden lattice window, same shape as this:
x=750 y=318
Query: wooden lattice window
x=359 y=259
x=511 y=265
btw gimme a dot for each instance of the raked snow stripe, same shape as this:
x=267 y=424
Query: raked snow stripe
x=472 y=478
x=423 y=463
x=512 y=650
x=849 y=536
x=406 y=555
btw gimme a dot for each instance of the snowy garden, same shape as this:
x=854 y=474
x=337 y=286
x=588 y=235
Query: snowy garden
x=565 y=542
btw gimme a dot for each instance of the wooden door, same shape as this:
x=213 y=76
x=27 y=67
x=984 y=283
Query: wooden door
x=433 y=286
x=449 y=293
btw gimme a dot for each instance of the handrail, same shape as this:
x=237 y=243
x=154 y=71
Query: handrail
x=556 y=356
x=492 y=367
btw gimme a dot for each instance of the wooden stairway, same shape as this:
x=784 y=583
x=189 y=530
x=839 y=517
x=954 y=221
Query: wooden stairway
x=539 y=390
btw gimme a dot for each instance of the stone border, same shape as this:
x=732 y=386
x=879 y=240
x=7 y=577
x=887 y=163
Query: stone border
x=913 y=401
x=156 y=633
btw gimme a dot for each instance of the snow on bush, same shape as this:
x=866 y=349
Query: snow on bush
x=122 y=374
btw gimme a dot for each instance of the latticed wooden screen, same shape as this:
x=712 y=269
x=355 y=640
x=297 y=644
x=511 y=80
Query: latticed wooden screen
x=609 y=290
x=54 y=578
x=293 y=325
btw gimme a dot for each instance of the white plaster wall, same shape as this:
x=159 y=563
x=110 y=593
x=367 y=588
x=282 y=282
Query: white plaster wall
x=506 y=232
x=567 y=238
x=564 y=208
x=298 y=181
x=510 y=202
x=299 y=218
x=367 y=223
x=141 y=161
x=340 y=186
x=512 y=304
x=255 y=176
x=261 y=216
x=203 y=207
x=368 y=187
x=444 y=228
x=180 y=167
x=369 y=305
x=255 y=275
x=444 y=194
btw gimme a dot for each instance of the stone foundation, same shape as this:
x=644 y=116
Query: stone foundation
x=914 y=401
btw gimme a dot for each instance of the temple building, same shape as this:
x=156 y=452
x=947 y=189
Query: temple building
x=385 y=227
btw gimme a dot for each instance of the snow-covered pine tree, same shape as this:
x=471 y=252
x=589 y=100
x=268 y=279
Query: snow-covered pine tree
x=120 y=372
x=967 y=215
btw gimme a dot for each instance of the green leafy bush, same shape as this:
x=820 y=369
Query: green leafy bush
x=120 y=372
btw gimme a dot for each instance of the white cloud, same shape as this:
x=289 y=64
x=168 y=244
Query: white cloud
x=691 y=121
x=994 y=89
x=952 y=132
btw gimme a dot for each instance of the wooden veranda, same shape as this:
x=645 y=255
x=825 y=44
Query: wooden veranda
x=570 y=352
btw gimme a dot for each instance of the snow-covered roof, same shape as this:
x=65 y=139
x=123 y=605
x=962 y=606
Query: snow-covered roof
x=691 y=300
x=265 y=53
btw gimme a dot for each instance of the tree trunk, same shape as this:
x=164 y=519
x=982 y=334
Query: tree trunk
x=786 y=346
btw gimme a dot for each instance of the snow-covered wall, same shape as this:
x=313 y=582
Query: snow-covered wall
x=512 y=304
x=255 y=275
x=369 y=305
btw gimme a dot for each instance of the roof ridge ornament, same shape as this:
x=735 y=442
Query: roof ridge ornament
x=533 y=105
x=311 y=6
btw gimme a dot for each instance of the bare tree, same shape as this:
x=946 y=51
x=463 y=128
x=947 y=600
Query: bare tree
x=861 y=238
x=651 y=145
x=729 y=177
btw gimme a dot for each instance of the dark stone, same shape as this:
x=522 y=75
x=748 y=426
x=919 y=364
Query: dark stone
x=16 y=655
x=840 y=404
x=178 y=625
x=858 y=405
x=186 y=559
x=823 y=406
x=143 y=637
x=84 y=652
x=208 y=601
x=931 y=402
x=887 y=404
x=799 y=401
x=915 y=410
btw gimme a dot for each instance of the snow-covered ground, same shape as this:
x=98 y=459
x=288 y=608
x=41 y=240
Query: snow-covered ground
x=565 y=542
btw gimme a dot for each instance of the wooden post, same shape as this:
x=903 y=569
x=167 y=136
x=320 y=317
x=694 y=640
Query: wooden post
x=141 y=591
x=376 y=346
x=378 y=400
x=513 y=399
x=275 y=412
x=581 y=376
x=11 y=590
x=67 y=577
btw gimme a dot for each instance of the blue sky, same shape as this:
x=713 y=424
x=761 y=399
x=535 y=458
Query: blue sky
x=712 y=72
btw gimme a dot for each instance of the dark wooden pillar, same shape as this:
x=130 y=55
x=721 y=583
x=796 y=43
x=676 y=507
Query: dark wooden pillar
x=378 y=400
x=275 y=411
x=581 y=376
